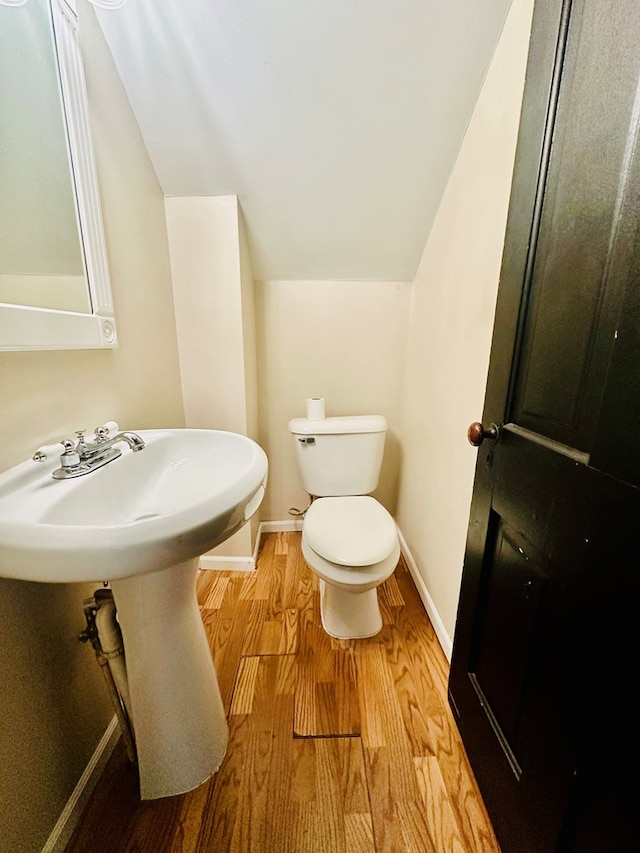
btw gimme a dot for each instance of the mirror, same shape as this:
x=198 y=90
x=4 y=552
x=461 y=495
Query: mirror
x=55 y=291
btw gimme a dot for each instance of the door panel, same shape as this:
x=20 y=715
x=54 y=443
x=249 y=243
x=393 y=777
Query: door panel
x=553 y=546
x=511 y=611
x=556 y=392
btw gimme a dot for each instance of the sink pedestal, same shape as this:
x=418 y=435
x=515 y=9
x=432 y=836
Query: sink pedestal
x=179 y=723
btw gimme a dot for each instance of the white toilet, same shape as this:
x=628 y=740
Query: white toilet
x=348 y=539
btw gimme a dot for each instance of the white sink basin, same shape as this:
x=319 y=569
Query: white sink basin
x=187 y=491
x=141 y=522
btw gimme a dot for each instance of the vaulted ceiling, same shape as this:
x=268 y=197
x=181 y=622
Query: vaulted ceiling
x=335 y=122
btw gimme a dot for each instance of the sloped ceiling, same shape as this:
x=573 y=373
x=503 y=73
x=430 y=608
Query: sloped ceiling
x=335 y=122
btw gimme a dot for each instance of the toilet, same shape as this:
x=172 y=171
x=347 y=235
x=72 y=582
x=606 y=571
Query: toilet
x=349 y=540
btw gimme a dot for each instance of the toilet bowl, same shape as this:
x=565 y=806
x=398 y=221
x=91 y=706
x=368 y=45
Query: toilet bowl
x=351 y=544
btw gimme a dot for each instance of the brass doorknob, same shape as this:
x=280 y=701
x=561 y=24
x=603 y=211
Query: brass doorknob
x=477 y=433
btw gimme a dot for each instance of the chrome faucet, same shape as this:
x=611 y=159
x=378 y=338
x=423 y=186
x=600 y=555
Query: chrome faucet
x=103 y=441
x=80 y=457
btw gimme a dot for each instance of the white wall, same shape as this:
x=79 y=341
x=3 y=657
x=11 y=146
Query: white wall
x=215 y=321
x=451 y=324
x=314 y=113
x=204 y=245
x=341 y=340
x=53 y=703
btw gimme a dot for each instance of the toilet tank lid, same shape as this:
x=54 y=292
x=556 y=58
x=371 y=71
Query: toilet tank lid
x=338 y=426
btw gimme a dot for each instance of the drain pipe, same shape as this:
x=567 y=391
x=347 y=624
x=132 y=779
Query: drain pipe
x=104 y=634
x=112 y=646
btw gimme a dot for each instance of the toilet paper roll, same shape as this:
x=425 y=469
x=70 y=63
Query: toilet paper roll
x=315 y=408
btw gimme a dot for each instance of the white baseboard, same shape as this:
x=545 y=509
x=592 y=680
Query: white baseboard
x=438 y=626
x=248 y=564
x=281 y=526
x=227 y=564
x=72 y=812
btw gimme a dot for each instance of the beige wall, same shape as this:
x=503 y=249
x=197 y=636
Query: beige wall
x=215 y=320
x=247 y=287
x=53 y=704
x=205 y=262
x=451 y=323
x=341 y=340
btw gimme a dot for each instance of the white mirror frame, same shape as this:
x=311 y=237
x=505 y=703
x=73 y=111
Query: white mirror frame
x=28 y=328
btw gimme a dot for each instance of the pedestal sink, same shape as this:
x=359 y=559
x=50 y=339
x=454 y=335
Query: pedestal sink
x=141 y=522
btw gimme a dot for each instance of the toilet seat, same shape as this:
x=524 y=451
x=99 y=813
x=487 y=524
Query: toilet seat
x=354 y=531
x=350 y=542
x=353 y=578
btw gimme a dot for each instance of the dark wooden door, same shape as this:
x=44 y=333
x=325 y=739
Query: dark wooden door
x=545 y=650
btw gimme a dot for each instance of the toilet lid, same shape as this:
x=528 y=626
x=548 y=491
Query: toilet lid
x=350 y=531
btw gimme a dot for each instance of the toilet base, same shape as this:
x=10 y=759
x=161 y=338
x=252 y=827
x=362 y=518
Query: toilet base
x=349 y=615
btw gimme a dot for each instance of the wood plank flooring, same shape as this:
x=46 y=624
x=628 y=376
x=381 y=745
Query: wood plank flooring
x=335 y=746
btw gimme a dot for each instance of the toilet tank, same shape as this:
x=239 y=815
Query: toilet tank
x=339 y=456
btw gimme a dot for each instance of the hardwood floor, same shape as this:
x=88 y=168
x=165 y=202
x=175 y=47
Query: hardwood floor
x=335 y=746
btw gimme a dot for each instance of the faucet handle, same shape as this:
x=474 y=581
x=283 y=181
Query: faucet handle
x=57 y=449
x=103 y=432
x=43 y=453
